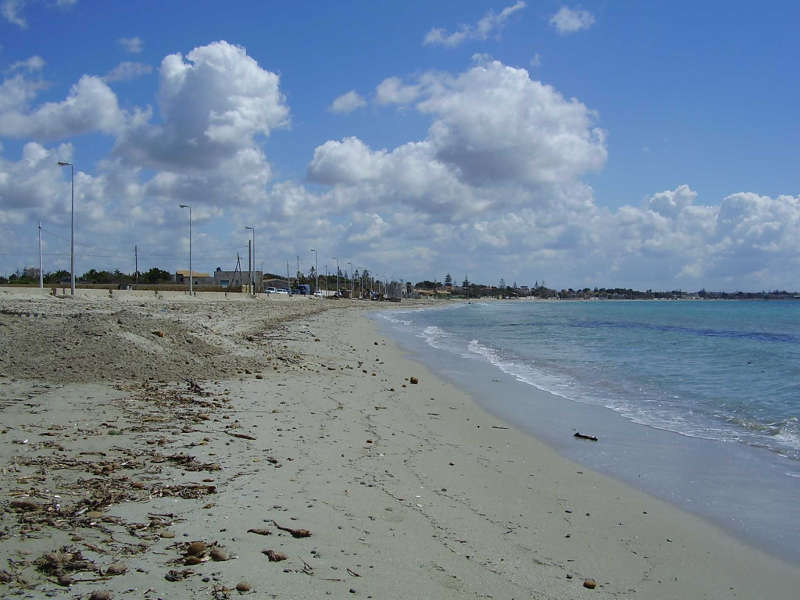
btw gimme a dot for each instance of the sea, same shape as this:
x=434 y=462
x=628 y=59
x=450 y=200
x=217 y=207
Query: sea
x=696 y=402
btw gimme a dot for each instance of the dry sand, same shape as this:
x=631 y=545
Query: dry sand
x=135 y=425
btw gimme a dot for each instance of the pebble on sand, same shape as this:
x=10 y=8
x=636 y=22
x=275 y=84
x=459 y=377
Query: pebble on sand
x=242 y=586
x=590 y=583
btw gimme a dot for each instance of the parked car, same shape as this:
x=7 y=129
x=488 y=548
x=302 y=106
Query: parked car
x=271 y=290
x=282 y=291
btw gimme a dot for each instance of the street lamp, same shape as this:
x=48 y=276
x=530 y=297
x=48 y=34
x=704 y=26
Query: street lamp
x=191 y=289
x=62 y=163
x=252 y=275
x=316 y=268
x=351 y=278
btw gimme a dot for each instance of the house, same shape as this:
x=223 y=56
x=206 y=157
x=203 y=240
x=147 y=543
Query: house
x=236 y=279
x=182 y=276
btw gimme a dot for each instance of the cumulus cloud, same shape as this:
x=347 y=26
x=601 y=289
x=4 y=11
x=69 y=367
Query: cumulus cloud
x=213 y=103
x=494 y=188
x=568 y=20
x=489 y=24
x=492 y=125
x=125 y=71
x=134 y=45
x=90 y=105
x=347 y=103
x=392 y=90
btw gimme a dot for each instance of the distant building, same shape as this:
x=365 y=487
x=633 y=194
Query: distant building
x=235 y=279
x=182 y=276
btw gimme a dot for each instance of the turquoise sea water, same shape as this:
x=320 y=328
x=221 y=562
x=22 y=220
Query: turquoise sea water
x=696 y=401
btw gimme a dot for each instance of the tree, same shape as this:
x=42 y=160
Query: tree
x=156 y=275
x=502 y=284
x=448 y=280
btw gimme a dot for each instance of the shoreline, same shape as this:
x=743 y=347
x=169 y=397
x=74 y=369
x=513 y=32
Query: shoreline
x=407 y=489
x=747 y=491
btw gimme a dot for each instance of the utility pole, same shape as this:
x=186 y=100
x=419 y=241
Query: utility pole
x=41 y=280
x=298 y=269
x=316 y=269
x=136 y=260
x=250 y=265
x=253 y=263
x=288 y=279
x=337 y=275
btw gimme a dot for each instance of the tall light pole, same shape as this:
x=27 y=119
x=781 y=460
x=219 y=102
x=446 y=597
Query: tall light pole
x=336 y=258
x=351 y=278
x=62 y=163
x=252 y=275
x=41 y=281
x=191 y=289
x=316 y=269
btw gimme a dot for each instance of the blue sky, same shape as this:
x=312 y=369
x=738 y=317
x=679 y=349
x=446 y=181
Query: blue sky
x=600 y=143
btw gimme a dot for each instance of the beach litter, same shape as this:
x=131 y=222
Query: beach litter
x=581 y=436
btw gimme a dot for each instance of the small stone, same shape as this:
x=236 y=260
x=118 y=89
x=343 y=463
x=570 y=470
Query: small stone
x=413 y=380
x=192 y=560
x=242 y=586
x=219 y=554
x=196 y=548
x=274 y=555
x=100 y=595
x=159 y=333
x=590 y=584
x=64 y=580
x=116 y=569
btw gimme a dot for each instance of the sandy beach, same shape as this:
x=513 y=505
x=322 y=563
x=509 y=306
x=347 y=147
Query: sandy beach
x=214 y=446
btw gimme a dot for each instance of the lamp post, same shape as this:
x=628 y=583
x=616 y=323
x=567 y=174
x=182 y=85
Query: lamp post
x=351 y=278
x=62 y=163
x=191 y=289
x=336 y=258
x=252 y=275
x=316 y=269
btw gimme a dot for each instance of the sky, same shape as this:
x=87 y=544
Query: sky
x=613 y=144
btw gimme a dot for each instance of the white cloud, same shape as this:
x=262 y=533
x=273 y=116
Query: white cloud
x=568 y=20
x=213 y=103
x=134 y=45
x=125 y=71
x=347 y=103
x=495 y=186
x=34 y=63
x=493 y=123
x=89 y=106
x=12 y=12
x=392 y=91
x=489 y=24
x=536 y=61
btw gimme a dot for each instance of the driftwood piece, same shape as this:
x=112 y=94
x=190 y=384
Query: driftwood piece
x=296 y=533
x=582 y=436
